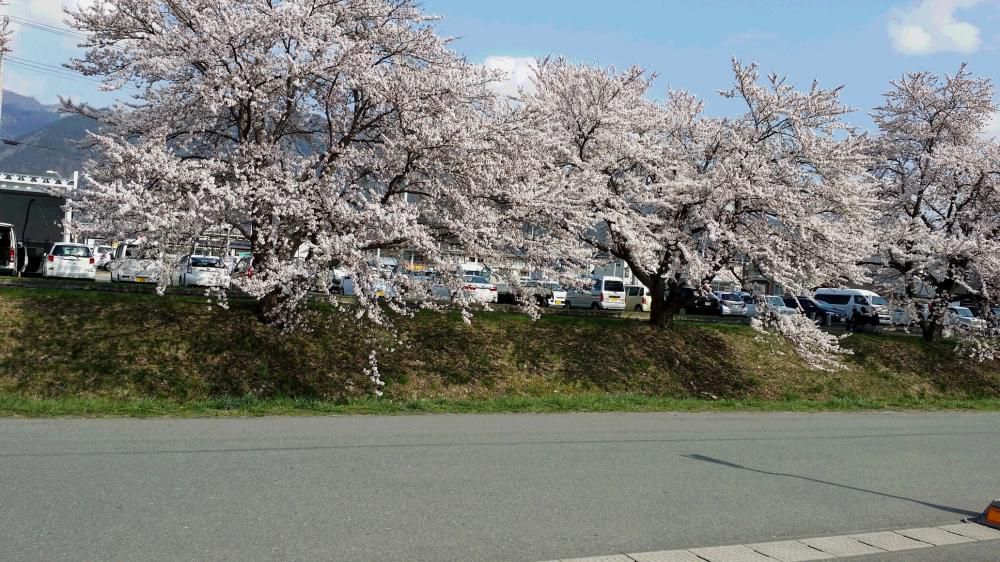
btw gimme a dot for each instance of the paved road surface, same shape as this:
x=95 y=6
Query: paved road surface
x=470 y=488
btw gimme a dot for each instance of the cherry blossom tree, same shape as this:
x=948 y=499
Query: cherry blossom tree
x=322 y=131
x=939 y=187
x=681 y=197
x=4 y=34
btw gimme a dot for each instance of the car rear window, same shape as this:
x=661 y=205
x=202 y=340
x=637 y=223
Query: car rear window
x=475 y=279
x=732 y=297
x=207 y=262
x=76 y=251
x=616 y=286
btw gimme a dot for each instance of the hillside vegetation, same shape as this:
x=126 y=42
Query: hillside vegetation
x=128 y=346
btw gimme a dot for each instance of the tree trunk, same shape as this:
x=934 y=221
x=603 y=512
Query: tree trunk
x=660 y=315
x=268 y=307
x=932 y=330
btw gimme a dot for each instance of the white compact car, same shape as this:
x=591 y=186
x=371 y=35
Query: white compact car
x=66 y=259
x=202 y=271
x=479 y=289
x=103 y=256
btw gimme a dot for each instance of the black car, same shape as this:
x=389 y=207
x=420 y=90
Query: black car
x=816 y=310
x=705 y=304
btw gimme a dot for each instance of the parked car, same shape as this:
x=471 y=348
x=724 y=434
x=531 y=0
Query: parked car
x=733 y=302
x=66 y=259
x=706 y=304
x=133 y=262
x=102 y=254
x=822 y=313
x=638 y=299
x=606 y=293
x=244 y=268
x=476 y=288
x=202 y=271
x=964 y=319
x=545 y=293
x=867 y=304
x=8 y=250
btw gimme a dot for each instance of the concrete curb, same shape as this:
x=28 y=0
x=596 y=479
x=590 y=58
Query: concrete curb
x=817 y=548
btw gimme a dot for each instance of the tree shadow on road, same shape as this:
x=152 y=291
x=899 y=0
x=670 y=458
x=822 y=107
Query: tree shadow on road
x=697 y=457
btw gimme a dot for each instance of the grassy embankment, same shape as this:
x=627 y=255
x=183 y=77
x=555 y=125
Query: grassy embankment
x=93 y=353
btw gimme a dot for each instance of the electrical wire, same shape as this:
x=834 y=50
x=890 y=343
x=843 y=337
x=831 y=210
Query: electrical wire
x=42 y=26
x=49 y=72
x=64 y=152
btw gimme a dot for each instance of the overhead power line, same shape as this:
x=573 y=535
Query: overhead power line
x=47 y=70
x=64 y=152
x=42 y=26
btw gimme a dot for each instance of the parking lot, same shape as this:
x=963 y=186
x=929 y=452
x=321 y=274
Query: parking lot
x=103 y=283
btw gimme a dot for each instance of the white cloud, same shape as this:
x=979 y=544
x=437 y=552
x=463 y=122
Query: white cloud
x=27 y=85
x=44 y=11
x=930 y=26
x=518 y=70
x=992 y=128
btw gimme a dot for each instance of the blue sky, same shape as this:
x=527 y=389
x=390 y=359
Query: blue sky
x=861 y=44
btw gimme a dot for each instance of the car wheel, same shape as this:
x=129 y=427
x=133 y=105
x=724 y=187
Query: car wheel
x=638 y=308
x=595 y=306
x=683 y=311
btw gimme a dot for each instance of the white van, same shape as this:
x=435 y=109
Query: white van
x=606 y=293
x=847 y=301
x=8 y=250
x=132 y=264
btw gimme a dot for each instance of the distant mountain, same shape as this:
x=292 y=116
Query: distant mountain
x=22 y=115
x=57 y=146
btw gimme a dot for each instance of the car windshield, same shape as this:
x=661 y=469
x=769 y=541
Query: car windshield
x=878 y=301
x=76 y=251
x=104 y=249
x=554 y=286
x=475 y=279
x=616 y=286
x=775 y=301
x=962 y=311
x=733 y=297
x=138 y=252
x=206 y=261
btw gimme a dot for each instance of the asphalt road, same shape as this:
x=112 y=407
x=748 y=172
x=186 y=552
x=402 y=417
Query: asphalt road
x=500 y=487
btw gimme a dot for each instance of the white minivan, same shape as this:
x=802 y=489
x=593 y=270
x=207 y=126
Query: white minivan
x=606 y=293
x=847 y=301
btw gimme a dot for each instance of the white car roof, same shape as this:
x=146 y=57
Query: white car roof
x=862 y=292
x=76 y=244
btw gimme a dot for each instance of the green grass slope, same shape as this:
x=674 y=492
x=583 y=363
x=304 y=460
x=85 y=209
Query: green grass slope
x=151 y=350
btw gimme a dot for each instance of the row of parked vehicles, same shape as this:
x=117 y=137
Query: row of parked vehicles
x=827 y=305
x=70 y=260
